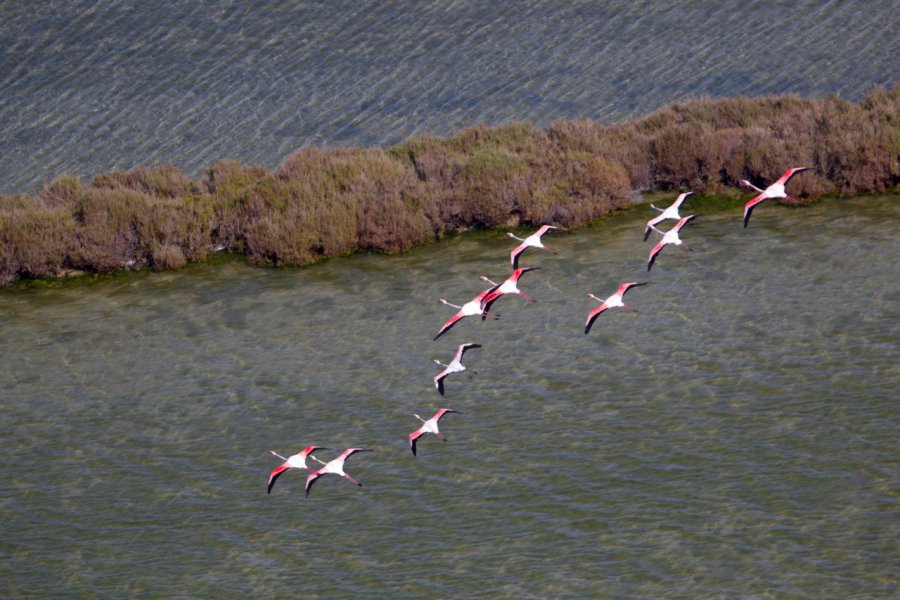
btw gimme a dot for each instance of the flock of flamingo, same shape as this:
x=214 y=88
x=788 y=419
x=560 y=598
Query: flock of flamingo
x=481 y=305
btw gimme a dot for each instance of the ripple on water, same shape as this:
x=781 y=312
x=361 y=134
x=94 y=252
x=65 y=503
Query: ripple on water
x=736 y=437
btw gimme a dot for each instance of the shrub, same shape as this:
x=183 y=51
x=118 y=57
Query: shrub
x=327 y=202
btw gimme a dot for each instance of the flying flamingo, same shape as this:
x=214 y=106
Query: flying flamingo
x=429 y=426
x=472 y=307
x=669 y=237
x=455 y=366
x=613 y=301
x=296 y=461
x=335 y=467
x=776 y=190
x=510 y=286
x=669 y=213
x=532 y=241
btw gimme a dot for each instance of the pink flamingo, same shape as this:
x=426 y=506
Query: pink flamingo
x=669 y=213
x=470 y=308
x=296 y=461
x=532 y=241
x=669 y=237
x=455 y=366
x=614 y=301
x=429 y=426
x=334 y=467
x=510 y=286
x=776 y=190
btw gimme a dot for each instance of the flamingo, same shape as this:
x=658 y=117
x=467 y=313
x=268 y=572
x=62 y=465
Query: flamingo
x=510 y=286
x=614 y=301
x=455 y=366
x=472 y=307
x=296 y=461
x=429 y=426
x=532 y=241
x=776 y=190
x=669 y=237
x=669 y=213
x=335 y=467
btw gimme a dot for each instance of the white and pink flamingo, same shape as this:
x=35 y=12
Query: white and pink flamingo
x=334 y=467
x=614 y=301
x=470 y=308
x=669 y=237
x=429 y=426
x=668 y=213
x=532 y=241
x=455 y=366
x=776 y=190
x=510 y=286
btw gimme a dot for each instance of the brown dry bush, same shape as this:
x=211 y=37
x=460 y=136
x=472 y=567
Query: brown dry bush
x=165 y=181
x=33 y=240
x=322 y=203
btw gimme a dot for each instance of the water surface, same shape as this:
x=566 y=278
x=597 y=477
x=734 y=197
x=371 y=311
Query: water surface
x=88 y=86
x=736 y=438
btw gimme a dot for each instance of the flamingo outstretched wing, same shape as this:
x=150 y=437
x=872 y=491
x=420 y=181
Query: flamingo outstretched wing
x=592 y=316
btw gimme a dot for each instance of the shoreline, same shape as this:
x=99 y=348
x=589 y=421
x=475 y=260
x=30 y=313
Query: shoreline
x=323 y=203
x=704 y=204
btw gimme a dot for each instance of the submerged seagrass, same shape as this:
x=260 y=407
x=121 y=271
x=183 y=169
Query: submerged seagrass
x=328 y=202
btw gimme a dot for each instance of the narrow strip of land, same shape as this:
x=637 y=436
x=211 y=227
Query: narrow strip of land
x=328 y=202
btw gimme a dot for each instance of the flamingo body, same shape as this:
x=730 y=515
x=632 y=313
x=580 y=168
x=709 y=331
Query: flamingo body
x=455 y=366
x=429 y=426
x=470 y=308
x=532 y=241
x=614 y=301
x=776 y=190
x=510 y=286
x=334 y=467
x=669 y=237
x=669 y=213
x=296 y=461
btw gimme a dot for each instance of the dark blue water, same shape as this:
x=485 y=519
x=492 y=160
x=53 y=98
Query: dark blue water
x=90 y=86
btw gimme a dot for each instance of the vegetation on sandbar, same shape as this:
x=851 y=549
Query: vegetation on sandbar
x=327 y=202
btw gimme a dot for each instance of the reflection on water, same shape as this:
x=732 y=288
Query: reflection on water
x=735 y=438
x=92 y=86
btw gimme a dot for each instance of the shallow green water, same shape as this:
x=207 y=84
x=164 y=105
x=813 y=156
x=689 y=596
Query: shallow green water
x=736 y=438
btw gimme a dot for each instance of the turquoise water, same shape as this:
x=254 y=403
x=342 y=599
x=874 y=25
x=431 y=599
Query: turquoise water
x=735 y=438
